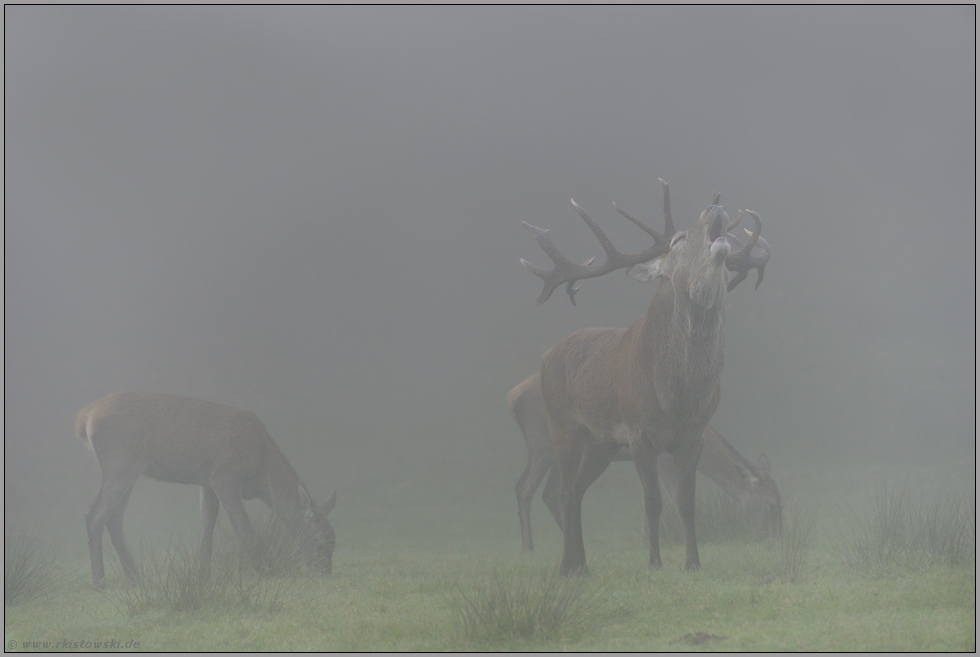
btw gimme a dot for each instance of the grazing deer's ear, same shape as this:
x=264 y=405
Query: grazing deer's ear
x=646 y=271
x=329 y=504
x=764 y=465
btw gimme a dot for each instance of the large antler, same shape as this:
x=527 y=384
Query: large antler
x=742 y=261
x=567 y=272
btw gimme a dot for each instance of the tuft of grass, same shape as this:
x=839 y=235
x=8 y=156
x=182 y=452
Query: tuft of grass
x=277 y=550
x=30 y=568
x=795 y=540
x=173 y=581
x=718 y=518
x=521 y=605
x=899 y=530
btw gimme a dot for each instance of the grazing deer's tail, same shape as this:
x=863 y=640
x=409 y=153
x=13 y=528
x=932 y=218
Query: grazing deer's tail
x=82 y=427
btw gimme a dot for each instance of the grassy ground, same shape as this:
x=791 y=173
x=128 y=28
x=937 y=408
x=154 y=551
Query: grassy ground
x=823 y=587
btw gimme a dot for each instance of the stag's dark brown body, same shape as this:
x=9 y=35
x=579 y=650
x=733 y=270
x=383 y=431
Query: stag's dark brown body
x=751 y=484
x=653 y=386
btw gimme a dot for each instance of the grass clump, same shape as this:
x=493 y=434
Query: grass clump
x=718 y=518
x=30 y=568
x=176 y=582
x=899 y=530
x=521 y=605
x=795 y=540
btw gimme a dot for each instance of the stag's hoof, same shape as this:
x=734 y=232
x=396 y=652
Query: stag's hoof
x=574 y=571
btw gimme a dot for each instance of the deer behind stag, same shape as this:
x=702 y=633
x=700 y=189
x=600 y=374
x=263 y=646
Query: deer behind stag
x=653 y=386
x=750 y=484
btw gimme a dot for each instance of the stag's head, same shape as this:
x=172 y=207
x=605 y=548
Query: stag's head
x=695 y=260
x=315 y=530
x=695 y=263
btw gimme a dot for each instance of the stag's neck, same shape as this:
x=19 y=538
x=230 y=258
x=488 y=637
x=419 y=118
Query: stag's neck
x=683 y=345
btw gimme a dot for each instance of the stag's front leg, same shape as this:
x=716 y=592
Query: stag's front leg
x=594 y=461
x=686 y=462
x=569 y=451
x=645 y=460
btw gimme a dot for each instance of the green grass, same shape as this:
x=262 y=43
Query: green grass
x=903 y=529
x=437 y=576
x=31 y=568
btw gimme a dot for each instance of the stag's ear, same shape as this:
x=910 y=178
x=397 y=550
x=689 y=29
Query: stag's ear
x=646 y=271
x=329 y=504
x=764 y=465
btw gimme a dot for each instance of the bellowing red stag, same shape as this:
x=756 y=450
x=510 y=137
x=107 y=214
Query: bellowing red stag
x=653 y=386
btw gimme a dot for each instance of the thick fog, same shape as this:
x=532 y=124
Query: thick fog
x=315 y=213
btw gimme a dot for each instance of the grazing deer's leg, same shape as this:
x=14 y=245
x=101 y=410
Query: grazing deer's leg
x=645 y=460
x=209 y=517
x=686 y=460
x=113 y=493
x=552 y=494
x=229 y=494
x=115 y=526
x=535 y=471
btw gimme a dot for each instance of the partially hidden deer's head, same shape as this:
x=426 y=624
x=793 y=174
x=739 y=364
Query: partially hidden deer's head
x=316 y=532
x=761 y=499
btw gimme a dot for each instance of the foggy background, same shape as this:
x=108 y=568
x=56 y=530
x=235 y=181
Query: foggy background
x=314 y=213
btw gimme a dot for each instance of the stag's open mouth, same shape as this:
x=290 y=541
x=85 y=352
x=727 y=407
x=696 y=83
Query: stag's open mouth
x=718 y=225
x=717 y=239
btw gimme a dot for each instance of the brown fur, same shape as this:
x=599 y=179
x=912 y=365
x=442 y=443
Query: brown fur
x=224 y=450
x=653 y=386
x=752 y=485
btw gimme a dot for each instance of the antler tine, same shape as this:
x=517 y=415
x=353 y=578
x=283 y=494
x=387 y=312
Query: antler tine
x=742 y=261
x=566 y=272
x=717 y=198
x=668 y=220
x=639 y=223
x=733 y=224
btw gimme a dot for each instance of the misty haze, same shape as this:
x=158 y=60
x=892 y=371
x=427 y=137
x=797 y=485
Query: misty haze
x=314 y=214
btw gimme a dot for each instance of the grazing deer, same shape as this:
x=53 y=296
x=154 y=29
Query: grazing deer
x=224 y=450
x=653 y=386
x=752 y=485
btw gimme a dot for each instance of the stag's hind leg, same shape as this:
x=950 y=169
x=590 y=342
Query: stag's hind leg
x=552 y=494
x=537 y=467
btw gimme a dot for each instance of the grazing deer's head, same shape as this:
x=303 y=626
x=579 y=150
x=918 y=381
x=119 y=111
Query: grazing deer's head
x=316 y=530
